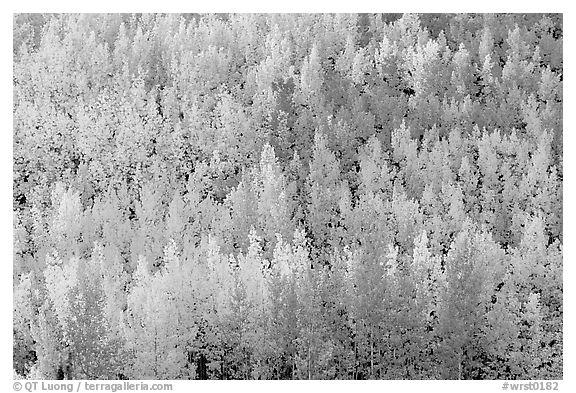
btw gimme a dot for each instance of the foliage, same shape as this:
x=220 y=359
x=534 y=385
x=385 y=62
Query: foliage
x=288 y=196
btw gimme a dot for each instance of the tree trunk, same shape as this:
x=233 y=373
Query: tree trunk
x=155 y=352
x=460 y=365
x=309 y=373
x=371 y=357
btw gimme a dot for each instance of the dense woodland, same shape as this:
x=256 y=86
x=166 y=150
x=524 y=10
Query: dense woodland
x=287 y=196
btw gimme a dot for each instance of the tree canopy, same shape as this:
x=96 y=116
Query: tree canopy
x=309 y=196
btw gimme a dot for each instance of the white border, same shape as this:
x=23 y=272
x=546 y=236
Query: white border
x=294 y=6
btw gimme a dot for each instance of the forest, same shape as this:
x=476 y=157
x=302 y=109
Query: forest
x=287 y=196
